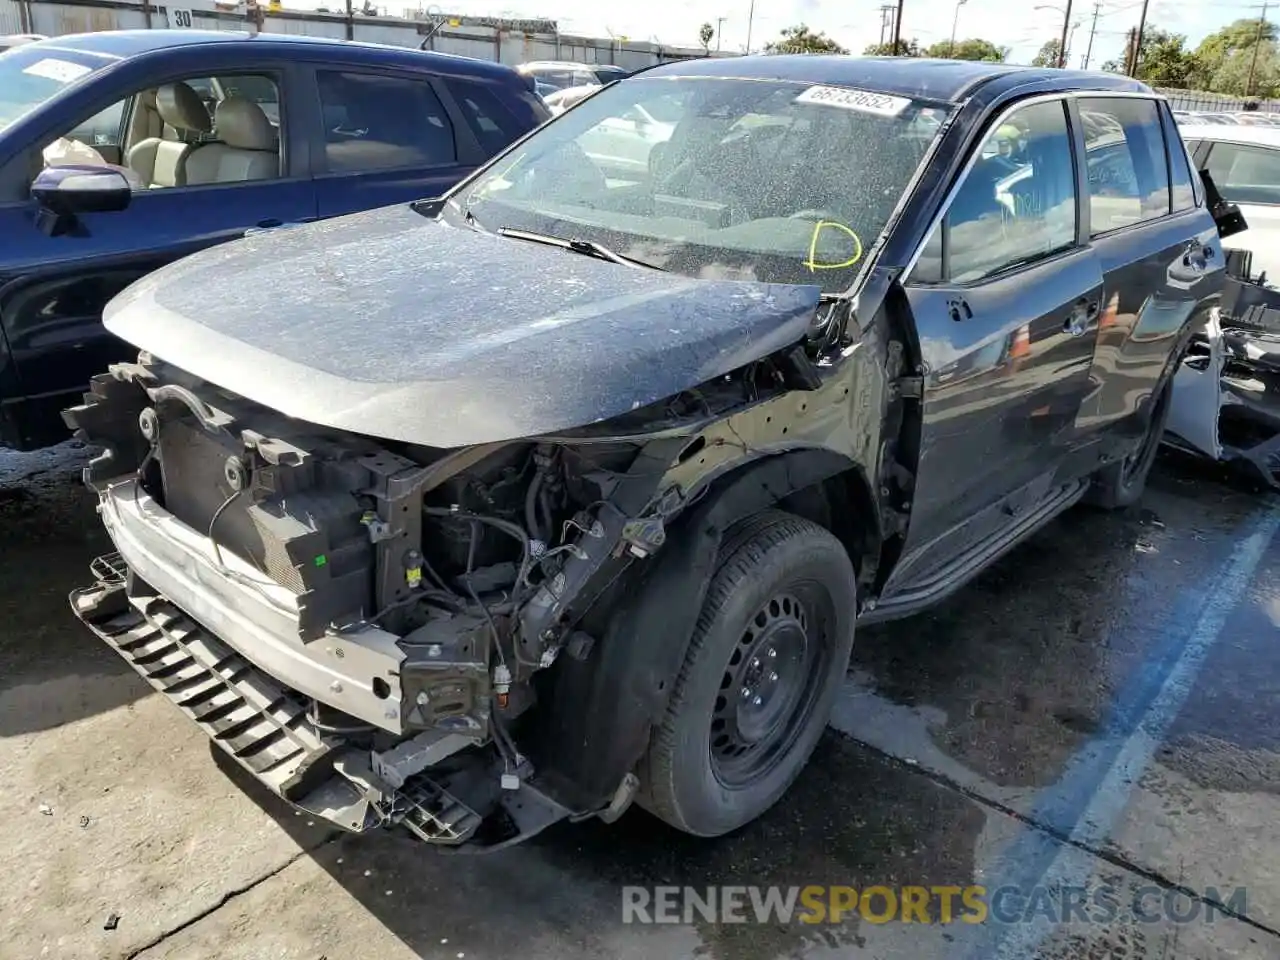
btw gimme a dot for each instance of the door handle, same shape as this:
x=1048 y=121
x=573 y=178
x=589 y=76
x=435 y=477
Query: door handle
x=958 y=308
x=1083 y=312
x=1196 y=255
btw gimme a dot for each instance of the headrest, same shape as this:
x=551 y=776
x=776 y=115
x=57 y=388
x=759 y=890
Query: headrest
x=181 y=108
x=240 y=123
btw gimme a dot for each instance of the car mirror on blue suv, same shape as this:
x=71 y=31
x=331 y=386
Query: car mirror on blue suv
x=64 y=192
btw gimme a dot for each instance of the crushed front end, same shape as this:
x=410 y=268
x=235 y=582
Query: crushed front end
x=358 y=623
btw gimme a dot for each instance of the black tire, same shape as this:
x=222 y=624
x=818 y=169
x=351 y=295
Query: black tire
x=778 y=621
x=1120 y=484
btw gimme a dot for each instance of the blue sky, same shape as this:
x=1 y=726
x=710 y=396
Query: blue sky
x=856 y=23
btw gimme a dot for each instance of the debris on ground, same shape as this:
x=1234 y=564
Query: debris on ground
x=113 y=921
x=45 y=809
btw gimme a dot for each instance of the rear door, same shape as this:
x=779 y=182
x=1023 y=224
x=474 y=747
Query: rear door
x=1159 y=250
x=1005 y=297
x=386 y=137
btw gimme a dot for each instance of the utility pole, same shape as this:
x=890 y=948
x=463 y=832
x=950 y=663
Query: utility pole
x=719 y=25
x=1062 y=44
x=1088 y=52
x=897 y=29
x=1129 y=50
x=1257 y=42
x=886 y=19
x=751 y=15
x=951 y=50
x=1137 y=39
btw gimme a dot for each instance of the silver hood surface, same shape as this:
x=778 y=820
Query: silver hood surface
x=389 y=324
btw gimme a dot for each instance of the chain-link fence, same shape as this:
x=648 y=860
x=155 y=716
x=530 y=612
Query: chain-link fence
x=1201 y=101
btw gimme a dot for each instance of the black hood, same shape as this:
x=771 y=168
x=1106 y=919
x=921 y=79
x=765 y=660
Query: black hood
x=388 y=324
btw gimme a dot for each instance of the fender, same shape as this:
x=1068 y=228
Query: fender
x=598 y=710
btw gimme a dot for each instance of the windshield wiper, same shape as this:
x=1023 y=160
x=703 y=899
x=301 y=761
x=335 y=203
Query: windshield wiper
x=587 y=248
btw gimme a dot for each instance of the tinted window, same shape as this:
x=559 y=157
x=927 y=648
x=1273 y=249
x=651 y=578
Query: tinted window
x=1128 y=176
x=1245 y=174
x=1181 y=193
x=1017 y=203
x=376 y=123
x=490 y=121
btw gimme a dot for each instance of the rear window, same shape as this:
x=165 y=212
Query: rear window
x=1128 y=173
x=1245 y=173
x=375 y=122
x=487 y=116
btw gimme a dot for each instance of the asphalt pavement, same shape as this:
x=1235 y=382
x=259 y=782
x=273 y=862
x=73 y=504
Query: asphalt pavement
x=1098 y=713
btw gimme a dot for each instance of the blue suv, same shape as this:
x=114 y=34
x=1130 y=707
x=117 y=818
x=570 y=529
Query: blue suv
x=211 y=135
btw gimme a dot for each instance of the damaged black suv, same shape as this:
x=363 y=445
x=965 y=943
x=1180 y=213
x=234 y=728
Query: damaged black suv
x=568 y=489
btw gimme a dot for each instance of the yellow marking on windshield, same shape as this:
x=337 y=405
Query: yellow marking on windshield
x=812 y=261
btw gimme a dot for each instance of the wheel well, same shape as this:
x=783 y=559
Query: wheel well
x=843 y=504
x=604 y=705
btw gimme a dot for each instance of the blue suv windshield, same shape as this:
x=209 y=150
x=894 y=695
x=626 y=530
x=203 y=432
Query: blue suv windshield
x=32 y=74
x=716 y=178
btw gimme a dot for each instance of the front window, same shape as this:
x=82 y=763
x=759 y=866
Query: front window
x=716 y=178
x=31 y=75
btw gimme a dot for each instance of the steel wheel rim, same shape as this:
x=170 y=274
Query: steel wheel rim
x=769 y=686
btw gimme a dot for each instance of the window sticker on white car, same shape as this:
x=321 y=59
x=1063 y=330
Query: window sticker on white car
x=63 y=71
x=863 y=101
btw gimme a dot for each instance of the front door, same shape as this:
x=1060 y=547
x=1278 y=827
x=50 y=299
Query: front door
x=190 y=194
x=1005 y=299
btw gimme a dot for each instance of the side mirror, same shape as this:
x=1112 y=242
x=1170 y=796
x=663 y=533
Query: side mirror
x=70 y=190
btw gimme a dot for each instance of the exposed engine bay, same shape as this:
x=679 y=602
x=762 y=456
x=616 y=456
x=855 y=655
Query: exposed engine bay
x=415 y=598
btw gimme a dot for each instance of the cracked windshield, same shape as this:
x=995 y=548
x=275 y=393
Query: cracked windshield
x=718 y=179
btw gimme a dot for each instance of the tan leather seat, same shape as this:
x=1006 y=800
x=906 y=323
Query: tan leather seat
x=162 y=163
x=246 y=147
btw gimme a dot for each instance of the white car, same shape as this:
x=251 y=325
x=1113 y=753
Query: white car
x=621 y=145
x=9 y=41
x=1244 y=162
x=558 y=101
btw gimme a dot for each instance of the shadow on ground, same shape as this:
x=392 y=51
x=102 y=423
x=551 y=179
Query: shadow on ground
x=851 y=819
x=52 y=670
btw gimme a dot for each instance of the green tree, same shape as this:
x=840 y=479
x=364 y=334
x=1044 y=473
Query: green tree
x=1164 y=60
x=706 y=33
x=906 y=48
x=800 y=39
x=971 y=49
x=1048 y=55
x=1225 y=60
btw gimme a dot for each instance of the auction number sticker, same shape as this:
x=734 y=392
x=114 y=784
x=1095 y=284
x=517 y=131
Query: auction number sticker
x=863 y=101
x=64 y=71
